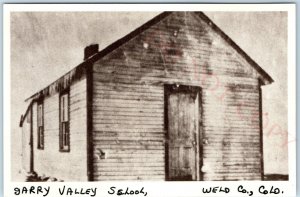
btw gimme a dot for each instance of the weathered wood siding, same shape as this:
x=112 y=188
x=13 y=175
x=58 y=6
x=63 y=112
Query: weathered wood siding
x=26 y=146
x=128 y=102
x=68 y=166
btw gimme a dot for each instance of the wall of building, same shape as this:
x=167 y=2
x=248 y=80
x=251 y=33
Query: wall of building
x=26 y=146
x=128 y=102
x=67 y=166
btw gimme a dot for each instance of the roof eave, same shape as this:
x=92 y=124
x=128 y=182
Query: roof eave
x=111 y=47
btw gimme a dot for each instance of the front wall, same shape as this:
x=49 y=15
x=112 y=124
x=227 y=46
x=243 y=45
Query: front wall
x=67 y=166
x=128 y=103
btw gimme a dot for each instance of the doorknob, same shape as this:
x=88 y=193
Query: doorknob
x=205 y=141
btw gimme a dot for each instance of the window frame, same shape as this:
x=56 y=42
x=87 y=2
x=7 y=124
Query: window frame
x=64 y=136
x=40 y=128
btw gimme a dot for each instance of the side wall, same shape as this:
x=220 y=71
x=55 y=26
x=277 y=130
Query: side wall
x=67 y=166
x=128 y=103
x=26 y=143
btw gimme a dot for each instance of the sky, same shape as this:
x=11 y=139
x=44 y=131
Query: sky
x=45 y=45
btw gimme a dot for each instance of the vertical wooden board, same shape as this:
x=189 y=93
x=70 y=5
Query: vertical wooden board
x=192 y=121
x=173 y=160
x=172 y=121
x=26 y=144
x=199 y=133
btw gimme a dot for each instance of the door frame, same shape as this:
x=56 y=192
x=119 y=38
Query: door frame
x=31 y=141
x=171 y=88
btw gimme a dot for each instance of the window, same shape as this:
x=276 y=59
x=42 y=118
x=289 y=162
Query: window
x=64 y=123
x=40 y=125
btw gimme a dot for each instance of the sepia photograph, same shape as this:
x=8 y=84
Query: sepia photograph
x=149 y=96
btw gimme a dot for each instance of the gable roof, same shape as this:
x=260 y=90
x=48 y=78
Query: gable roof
x=77 y=72
x=66 y=80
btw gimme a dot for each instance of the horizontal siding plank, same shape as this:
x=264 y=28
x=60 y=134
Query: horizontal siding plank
x=120 y=165
x=132 y=155
x=129 y=142
x=131 y=130
x=144 y=92
x=220 y=153
x=128 y=134
x=121 y=102
x=228 y=148
x=117 y=117
x=128 y=178
x=136 y=173
x=128 y=146
x=128 y=122
x=115 y=109
x=138 y=105
x=115 y=126
x=128 y=160
x=125 y=114
x=127 y=138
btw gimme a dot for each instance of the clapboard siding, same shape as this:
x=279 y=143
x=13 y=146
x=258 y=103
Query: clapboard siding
x=68 y=166
x=132 y=109
x=128 y=102
x=26 y=137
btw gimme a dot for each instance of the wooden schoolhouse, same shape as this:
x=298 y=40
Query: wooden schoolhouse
x=175 y=99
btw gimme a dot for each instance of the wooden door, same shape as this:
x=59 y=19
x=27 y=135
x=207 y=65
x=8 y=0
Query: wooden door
x=183 y=117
